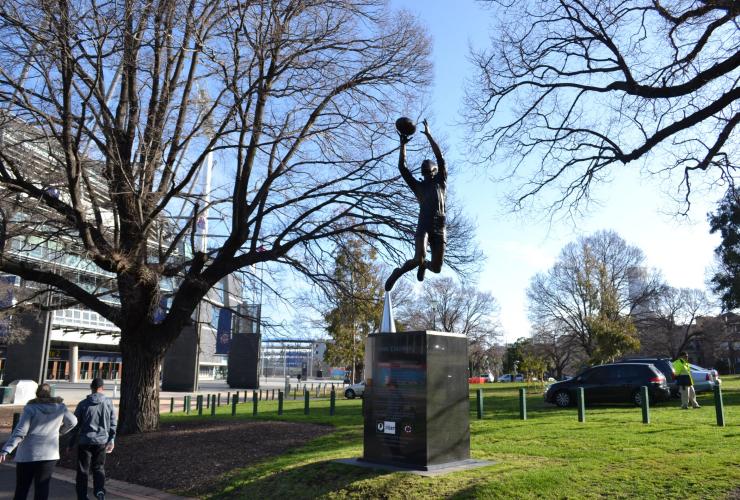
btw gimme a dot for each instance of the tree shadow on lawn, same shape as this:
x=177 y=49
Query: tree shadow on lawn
x=305 y=481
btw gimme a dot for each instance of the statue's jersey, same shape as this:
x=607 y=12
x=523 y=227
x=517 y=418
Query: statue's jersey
x=430 y=193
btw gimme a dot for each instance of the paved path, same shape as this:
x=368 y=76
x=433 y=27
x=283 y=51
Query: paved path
x=62 y=487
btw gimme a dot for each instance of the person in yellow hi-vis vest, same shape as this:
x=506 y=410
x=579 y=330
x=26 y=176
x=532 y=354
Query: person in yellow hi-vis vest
x=684 y=381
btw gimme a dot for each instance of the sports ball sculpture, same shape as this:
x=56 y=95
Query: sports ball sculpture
x=405 y=126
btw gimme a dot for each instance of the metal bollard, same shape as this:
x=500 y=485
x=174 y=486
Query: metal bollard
x=479 y=397
x=199 y=404
x=295 y=393
x=305 y=402
x=228 y=398
x=581 y=405
x=234 y=402
x=523 y=403
x=254 y=402
x=219 y=399
x=273 y=395
x=332 y=402
x=719 y=406
x=172 y=405
x=645 y=404
x=280 y=402
x=208 y=400
x=213 y=405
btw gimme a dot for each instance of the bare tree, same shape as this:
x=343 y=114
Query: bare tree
x=448 y=306
x=558 y=346
x=590 y=292
x=111 y=110
x=570 y=89
x=672 y=324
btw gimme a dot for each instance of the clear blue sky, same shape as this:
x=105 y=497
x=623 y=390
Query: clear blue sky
x=639 y=208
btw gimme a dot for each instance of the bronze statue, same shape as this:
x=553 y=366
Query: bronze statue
x=430 y=193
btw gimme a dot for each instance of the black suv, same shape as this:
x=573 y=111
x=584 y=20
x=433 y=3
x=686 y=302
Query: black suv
x=612 y=383
x=662 y=363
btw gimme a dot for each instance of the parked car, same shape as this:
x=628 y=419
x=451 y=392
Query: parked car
x=355 y=390
x=704 y=379
x=611 y=383
x=664 y=364
x=507 y=377
x=483 y=378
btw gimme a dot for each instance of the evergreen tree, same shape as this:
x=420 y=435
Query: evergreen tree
x=356 y=307
x=726 y=220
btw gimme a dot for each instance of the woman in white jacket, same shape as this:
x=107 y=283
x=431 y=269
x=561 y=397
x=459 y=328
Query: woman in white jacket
x=43 y=420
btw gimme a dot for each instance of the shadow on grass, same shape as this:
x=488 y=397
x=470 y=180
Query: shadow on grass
x=305 y=481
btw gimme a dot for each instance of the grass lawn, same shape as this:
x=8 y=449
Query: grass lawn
x=681 y=454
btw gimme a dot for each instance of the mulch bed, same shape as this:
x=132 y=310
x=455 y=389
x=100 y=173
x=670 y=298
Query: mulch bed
x=189 y=456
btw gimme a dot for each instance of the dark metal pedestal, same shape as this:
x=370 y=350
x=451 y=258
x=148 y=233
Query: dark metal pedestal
x=181 y=363
x=416 y=406
x=27 y=360
x=243 y=364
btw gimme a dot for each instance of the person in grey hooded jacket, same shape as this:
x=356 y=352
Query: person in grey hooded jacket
x=37 y=438
x=96 y=432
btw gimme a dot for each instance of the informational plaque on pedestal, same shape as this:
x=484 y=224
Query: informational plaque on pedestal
x=416 y=407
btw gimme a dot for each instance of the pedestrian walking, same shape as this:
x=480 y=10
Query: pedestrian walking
x=95 y=435
x=36 y=436
x=685 y=382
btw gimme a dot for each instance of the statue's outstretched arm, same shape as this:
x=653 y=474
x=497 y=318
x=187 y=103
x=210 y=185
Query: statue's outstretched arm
x=405 y=172
x=437 y=152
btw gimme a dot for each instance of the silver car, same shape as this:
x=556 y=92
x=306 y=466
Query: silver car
x=704 y=379
x=355 y=390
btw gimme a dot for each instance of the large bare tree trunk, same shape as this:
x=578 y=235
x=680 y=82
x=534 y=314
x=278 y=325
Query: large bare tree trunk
x=139 y=410
x=297 y=105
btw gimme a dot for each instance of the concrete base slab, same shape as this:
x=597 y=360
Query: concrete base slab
x=430 y=471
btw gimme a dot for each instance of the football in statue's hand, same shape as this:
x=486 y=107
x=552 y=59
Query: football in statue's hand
x=405 y=126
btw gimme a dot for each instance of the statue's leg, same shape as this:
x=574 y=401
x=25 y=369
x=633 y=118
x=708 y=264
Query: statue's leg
x=418 y=260
x=437 y=243
x=421 y=254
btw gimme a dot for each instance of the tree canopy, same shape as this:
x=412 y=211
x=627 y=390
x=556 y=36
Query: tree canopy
x=113 y=111
x=569 y=90
x=726 y=221
x=672 y=321
x=591 y=292
x=356 y=306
